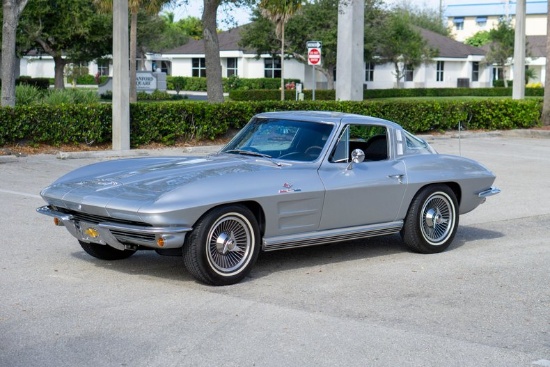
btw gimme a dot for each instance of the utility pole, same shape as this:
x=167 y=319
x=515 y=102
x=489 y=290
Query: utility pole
x=121 y=77
x=518 y=89
x=350 y=67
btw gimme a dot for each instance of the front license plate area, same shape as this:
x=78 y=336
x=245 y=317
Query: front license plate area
x=89 y=232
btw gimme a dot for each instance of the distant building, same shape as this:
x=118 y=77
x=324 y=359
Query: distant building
x=467 y=17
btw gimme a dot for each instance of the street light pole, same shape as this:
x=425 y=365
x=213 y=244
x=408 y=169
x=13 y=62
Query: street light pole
x=518 y=89
x=121 y=77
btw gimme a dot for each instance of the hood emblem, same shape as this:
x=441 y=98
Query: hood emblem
x=287 y=187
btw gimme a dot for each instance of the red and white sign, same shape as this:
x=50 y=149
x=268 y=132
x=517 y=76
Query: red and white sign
x=313 y=56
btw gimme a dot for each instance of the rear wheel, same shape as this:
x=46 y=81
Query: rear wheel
x=432 y=220
x=105 y=252
x=223 y=246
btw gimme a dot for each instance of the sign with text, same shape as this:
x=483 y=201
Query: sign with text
x=313 y=52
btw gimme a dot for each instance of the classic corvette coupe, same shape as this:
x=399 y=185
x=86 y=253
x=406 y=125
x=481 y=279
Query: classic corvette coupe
x=286 y=180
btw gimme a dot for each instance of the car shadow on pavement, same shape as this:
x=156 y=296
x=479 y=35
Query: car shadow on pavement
x=150 y=264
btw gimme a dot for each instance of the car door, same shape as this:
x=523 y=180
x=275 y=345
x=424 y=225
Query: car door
x=362 y=193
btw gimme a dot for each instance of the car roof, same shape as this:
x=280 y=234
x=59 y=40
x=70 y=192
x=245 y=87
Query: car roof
x=328 y=116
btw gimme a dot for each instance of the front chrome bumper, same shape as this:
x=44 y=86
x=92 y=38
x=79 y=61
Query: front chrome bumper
x=118 y=235
x=489 y=192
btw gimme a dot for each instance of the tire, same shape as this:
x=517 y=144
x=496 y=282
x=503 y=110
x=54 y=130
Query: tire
x=223 y=246
x=432 y=220
x=105 y=252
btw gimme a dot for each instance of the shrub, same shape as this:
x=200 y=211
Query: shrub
x=171 y=122
x=26 y=94
x=40 y=83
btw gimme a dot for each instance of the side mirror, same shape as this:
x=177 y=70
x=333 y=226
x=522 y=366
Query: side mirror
x=357 y=156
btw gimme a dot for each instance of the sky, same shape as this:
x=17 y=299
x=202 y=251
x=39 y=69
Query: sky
x=242 y=15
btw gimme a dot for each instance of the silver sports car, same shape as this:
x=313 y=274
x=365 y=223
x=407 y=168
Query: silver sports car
x=286 y=180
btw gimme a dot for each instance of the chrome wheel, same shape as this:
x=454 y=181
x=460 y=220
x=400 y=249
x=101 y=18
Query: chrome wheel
x=432 y=219
x=437 y=218
x=230 y=242
x=223 y=246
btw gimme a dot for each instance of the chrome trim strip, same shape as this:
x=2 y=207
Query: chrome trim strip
x=145 y=230
x=489 y=192
x=331 y=235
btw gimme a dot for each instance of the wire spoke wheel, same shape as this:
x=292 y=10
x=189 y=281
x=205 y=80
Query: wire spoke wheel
x=432 y=220
x=230 y=243
x=437 y=218
x=223 y=246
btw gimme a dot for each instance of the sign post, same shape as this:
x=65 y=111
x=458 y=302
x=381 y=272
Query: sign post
x=313 y=59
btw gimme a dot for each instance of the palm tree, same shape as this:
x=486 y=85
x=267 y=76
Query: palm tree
x=279 y=12
x=151 y=7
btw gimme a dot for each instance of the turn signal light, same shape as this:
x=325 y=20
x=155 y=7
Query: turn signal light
x=92 y=232
x=57 y=221
x=160 y=242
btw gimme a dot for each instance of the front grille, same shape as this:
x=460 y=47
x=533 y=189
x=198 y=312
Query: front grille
x=96 y=219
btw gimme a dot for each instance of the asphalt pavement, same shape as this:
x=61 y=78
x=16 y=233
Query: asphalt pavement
x=483 y=302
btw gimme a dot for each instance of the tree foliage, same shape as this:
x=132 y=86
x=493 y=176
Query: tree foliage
x=423 y=17
x=501 y=46
x=478 y=39
x=402 y=45
x=71 y=31
x=279 y=12
x=316 y=20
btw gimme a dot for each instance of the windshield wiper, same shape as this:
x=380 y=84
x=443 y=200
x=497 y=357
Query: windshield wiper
x=254 y=154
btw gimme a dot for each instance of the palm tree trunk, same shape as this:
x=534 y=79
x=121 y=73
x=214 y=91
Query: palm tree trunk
x=214 y=85
x=133 y=54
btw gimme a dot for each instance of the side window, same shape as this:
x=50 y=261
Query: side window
x=371 y=139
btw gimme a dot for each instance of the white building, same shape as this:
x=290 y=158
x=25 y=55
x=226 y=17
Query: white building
x=467 y=17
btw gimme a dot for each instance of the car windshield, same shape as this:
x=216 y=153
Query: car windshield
x=281 y=139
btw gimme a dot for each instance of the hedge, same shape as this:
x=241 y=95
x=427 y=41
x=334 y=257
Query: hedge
x=265 y=95
x=171 y=122
x=196 y=84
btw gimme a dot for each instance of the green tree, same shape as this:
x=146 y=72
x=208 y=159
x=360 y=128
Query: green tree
x=314 y=21
x=402 y=45
x=11 y=11
x=71 y=31
x=423 y=17
x=279 y=12
x=151 y=7
x=214 y=85
x=478 y=39
x=191 y=27
x=501 y=47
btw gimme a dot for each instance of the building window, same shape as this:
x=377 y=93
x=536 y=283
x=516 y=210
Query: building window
x=459 y=23
x=440 y=70
x=475 y=71
x=232 y=66
x=103 y=67
x=199 y=67
x=369 y=72
x=481 y=22
x=272 y=68
x=409 y=73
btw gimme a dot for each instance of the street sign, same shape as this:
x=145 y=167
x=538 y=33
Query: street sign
x=314 y=56
x=313 y=44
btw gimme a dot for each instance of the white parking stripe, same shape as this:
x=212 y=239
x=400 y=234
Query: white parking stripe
x=21 y=193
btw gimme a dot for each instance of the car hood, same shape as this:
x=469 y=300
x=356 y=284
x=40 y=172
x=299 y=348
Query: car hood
x=142 y=180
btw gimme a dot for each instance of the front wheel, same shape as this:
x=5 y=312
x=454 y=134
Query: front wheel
x=105 y=252
x=223 y=246
x=432 y=220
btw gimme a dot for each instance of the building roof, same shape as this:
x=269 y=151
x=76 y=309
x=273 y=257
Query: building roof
x=474 y=8
x=448 y=47
x=228 y=40
x=536 y=46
